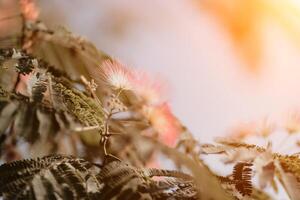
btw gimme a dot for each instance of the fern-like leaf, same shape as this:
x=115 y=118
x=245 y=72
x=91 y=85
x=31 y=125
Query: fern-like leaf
x=67 y=177
x=242 y=177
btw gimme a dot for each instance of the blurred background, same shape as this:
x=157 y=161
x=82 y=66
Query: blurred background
x=223 y=62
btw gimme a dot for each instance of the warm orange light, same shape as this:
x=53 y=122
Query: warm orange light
x=246 y=22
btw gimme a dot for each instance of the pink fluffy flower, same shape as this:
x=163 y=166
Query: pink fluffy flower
x=152 y=94
x=117 y=75
x=120 y=77
x=292 y=124
x=245 y=130
x=165 y=123
x=22 y=85
x=29 y=9
x=151 y=91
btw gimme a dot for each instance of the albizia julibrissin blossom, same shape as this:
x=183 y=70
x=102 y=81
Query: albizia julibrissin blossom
x=121 y=77
x=164 y=123
x=261 y=128
x=29 y=10
x=292 y=122
x=151 y=93
x=117 y=75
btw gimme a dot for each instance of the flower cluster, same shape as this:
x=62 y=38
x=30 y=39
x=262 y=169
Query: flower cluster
x=151 y=94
